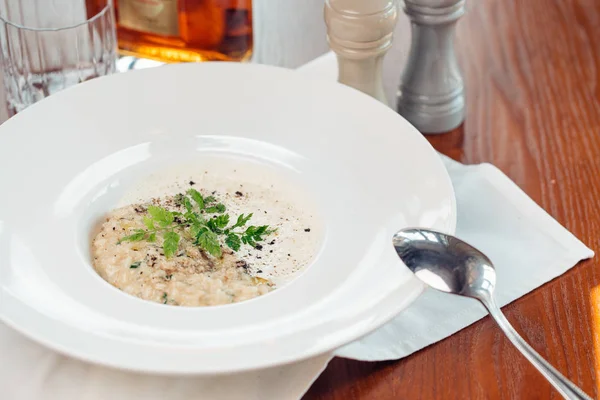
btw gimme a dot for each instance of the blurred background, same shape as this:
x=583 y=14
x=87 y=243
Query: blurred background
x=286 y=33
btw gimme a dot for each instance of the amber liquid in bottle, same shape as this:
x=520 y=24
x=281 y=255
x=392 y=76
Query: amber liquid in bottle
x=183 y=30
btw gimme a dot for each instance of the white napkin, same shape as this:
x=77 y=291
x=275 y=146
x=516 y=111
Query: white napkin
x=527 y=246
x=36 y=373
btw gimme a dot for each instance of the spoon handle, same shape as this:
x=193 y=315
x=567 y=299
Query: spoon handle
x=566 y=388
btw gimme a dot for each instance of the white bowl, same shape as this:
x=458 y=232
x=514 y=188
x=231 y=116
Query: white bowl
x=68 y=159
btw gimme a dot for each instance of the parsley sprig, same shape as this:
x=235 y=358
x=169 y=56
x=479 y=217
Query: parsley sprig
x=195 y=224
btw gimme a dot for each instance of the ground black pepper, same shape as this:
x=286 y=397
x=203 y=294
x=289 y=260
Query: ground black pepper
x=253 y=263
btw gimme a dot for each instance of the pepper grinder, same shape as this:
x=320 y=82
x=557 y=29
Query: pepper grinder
x=431 y=92
x=360 y=33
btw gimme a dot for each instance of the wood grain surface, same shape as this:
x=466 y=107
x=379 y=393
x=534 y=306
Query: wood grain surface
x=532 y=70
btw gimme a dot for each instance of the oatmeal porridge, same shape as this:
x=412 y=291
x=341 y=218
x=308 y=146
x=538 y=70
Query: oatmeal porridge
x=215 y=236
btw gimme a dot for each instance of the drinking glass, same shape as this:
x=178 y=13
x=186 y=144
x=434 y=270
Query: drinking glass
x=49 y=45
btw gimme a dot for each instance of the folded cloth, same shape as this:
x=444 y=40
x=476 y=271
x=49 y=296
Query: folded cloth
x=29 y=371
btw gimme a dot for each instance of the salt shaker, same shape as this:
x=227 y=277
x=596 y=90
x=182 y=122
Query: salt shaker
x=360 y=33
x=431 y=93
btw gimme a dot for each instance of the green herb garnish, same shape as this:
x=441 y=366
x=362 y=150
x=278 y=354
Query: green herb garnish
x=170 y=243
x=137 y=236
x=197 y=197
x=209 y=241
x=233 y=241
x=135 y=264
x=162 y=217
x=218 y=208
x=164 y=297
x=205 y=232
x=255 y=234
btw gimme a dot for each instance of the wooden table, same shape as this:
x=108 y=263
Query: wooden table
x=532 y=70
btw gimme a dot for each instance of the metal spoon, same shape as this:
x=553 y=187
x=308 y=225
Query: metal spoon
x=450 y=265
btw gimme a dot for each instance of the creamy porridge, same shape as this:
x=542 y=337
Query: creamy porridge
x=207 y=235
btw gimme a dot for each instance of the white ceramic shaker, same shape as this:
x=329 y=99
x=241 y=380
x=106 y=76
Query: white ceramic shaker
x=360 y=33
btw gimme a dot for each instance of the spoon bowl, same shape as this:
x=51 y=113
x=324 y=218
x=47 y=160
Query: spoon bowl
x=446 y=263
x=451 y=265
